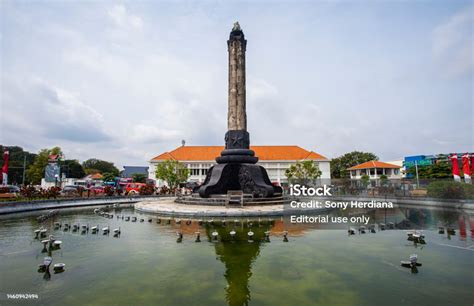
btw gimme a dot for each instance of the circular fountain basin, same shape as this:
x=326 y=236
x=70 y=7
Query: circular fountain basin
x=170 y=207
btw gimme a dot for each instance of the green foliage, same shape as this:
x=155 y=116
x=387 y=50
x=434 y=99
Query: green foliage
x=435 y=171
x=303 y=172
x=341 y=163
x=172 y=172
x=447 y=190
x=94 y=165
x=365 y=179
x=15 y=165
x=139 y=177
x=89 y=171
x=468 y=191
x=383 y=180
x=108 y=177
x=35 y=171
x=72 y=168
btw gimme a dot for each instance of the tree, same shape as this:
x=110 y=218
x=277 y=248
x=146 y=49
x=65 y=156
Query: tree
x=108 y=177
x=341 y=163
x=139 y=177
x=435 y=171
x=383 y=180
x=172 y=172
x=17 y=158
x=365 y=179
x=303 y=172
x=72 y=168
x=35 y=171
x=94 y=165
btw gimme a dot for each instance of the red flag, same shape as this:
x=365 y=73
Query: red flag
x=6 y=156
x=472 y=163
x=456 y=173
x=466 y=168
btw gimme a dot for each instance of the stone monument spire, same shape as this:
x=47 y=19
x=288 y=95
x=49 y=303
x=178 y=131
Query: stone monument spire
x=236 y=168
x=236 y=46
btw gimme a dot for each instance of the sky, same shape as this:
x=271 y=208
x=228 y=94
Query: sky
x=126 y=81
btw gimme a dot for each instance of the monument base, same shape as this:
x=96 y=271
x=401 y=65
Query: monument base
x=250 y=178
x=236 y=169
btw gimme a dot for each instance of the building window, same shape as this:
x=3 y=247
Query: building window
x=396 y=171
x=363 y=172
x=379 y=171
x=194 y=171
x=372 y=171
x=204 y=171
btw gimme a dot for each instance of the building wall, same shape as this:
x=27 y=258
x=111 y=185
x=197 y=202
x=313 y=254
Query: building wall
x=375 y=173
x=275 y=170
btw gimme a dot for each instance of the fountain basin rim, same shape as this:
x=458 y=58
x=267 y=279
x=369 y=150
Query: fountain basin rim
x=171 y=208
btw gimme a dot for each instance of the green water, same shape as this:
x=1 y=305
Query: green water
x=147 y=266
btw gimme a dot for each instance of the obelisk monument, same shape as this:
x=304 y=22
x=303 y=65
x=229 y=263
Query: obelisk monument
x=236 y=169
x=236 y=45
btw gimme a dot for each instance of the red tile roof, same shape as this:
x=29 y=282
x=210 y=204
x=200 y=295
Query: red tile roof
x=209 y=153
x=95 y=176
x=374 y=164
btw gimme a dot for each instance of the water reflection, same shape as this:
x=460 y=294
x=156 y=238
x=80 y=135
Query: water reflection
x=237 y=252
x=248 y=263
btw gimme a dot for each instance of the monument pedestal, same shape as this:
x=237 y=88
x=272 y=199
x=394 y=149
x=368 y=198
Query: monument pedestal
x=236 y=169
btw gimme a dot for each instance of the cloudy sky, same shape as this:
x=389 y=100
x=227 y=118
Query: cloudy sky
x=125 y=81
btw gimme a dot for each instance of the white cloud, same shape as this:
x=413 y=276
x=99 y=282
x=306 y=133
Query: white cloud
x=123 y=18
x=150 y=133
x=46 y=111
x=453 y=45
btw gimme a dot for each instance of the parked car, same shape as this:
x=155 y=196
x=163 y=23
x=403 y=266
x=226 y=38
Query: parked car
x=13 y=189
x=72 y=190
x=133 y=188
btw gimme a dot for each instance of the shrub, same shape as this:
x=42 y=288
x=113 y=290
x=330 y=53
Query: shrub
x=468 y=191
x=4 y=190
x=365 y=180
x=383 y=180
x=446 y=190
x=109 y=191
x=52 y=192
x=164 y=190
x=29 y=192
x=147 y=190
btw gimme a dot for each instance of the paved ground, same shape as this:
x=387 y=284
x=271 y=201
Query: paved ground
x=169 y=207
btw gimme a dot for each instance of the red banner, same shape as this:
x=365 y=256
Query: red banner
x=466 y=167
x=472 y=163
x=456 y=173
x=6 y=156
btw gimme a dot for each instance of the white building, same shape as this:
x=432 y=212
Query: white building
x=374 y=170
x=400 y=163
x=275 y=159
